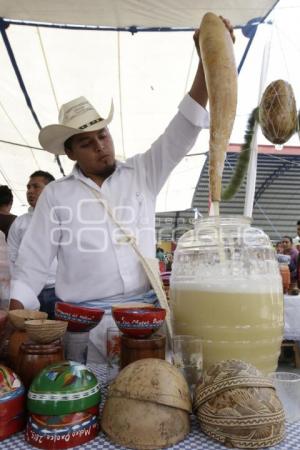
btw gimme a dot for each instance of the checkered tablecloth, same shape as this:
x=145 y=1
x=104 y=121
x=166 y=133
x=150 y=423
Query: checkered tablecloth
x=196 y=440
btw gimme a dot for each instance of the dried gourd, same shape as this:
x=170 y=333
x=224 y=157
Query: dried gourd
x=238 y=407
x=221 y=79
x=277 y=112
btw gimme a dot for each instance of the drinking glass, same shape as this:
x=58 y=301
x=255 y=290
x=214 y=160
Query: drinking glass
x=113 y=353
x=187 y=356
x=287 y=386
x=4 y=294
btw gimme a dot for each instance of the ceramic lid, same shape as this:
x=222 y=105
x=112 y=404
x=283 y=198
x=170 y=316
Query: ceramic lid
x=63 y=388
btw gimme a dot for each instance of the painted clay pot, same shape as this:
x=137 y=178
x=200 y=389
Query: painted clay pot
x=35 y=357
x=63 y=388
x=12 y=403
x=139 y=322
x=79 y=318
x=61 y=432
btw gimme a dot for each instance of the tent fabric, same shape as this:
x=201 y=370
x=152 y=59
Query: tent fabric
x=120 y=13
x=146 y=74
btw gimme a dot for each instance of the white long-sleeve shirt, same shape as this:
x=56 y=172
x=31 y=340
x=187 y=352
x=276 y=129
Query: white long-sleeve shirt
x=15 y=236
x=4 y=272
x=71 y=224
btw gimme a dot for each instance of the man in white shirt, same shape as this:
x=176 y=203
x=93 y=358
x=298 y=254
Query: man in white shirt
x=36 y=183
x=94 y=264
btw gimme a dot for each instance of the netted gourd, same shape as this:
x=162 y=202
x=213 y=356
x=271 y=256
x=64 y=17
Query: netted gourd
x=277 y=112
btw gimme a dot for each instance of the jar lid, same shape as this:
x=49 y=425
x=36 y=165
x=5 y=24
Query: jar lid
x=63 y=388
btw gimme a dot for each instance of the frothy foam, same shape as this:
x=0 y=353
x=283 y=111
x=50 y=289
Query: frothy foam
x=242 y=286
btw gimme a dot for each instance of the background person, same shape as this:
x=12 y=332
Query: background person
x=290 y=250
x=6 y=202
x=37 y=181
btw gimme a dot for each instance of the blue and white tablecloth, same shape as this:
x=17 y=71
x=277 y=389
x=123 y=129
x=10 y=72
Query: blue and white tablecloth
x=196 y=440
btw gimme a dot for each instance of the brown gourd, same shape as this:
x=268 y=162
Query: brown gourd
x=277 y=112
x=219 y=66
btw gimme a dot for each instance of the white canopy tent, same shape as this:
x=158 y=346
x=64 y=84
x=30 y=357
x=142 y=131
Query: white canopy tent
x=146 y=73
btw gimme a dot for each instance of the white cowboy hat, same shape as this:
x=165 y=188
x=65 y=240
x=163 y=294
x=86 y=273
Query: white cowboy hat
x=76 y=116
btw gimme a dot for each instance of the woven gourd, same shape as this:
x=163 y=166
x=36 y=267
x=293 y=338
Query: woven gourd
x=277 y=112
x=17 y=317
x=237 y=406
x=45 y=331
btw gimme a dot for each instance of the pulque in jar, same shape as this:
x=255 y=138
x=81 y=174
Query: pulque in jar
x=226 y=288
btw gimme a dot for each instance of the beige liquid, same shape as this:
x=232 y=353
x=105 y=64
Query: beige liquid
x=239 y=325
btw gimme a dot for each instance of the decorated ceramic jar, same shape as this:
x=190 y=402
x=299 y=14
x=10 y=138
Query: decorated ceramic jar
x=139 y=322
x=63 y=388
x=12 y=403
x=63 y=431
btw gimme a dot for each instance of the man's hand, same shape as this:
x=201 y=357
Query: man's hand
x=15 y=304
x=227 y=25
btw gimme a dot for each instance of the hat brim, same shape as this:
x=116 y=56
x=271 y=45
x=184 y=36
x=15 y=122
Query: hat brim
x=53 y=137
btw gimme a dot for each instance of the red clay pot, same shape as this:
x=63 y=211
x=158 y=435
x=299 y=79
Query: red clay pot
x=139 y=322
x=79 y=318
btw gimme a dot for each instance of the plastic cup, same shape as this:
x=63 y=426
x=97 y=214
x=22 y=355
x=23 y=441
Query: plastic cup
x=287 y=386
x=187 y=357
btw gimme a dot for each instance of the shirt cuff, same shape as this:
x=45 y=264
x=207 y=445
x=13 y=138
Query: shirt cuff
x=194 y=112
x=24 y=294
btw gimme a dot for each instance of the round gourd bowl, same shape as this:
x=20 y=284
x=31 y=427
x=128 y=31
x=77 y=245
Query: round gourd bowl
x=79 y=318
x=12 y=403
x=17 y=317
x=237 y=406
x=67 y=431
x=139 y=322
x=45 y=331
x=147 y=406
x=63 y=388
x=153 y=380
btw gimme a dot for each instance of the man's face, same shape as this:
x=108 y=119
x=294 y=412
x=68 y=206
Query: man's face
x=94 y=152
x=34 y=188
